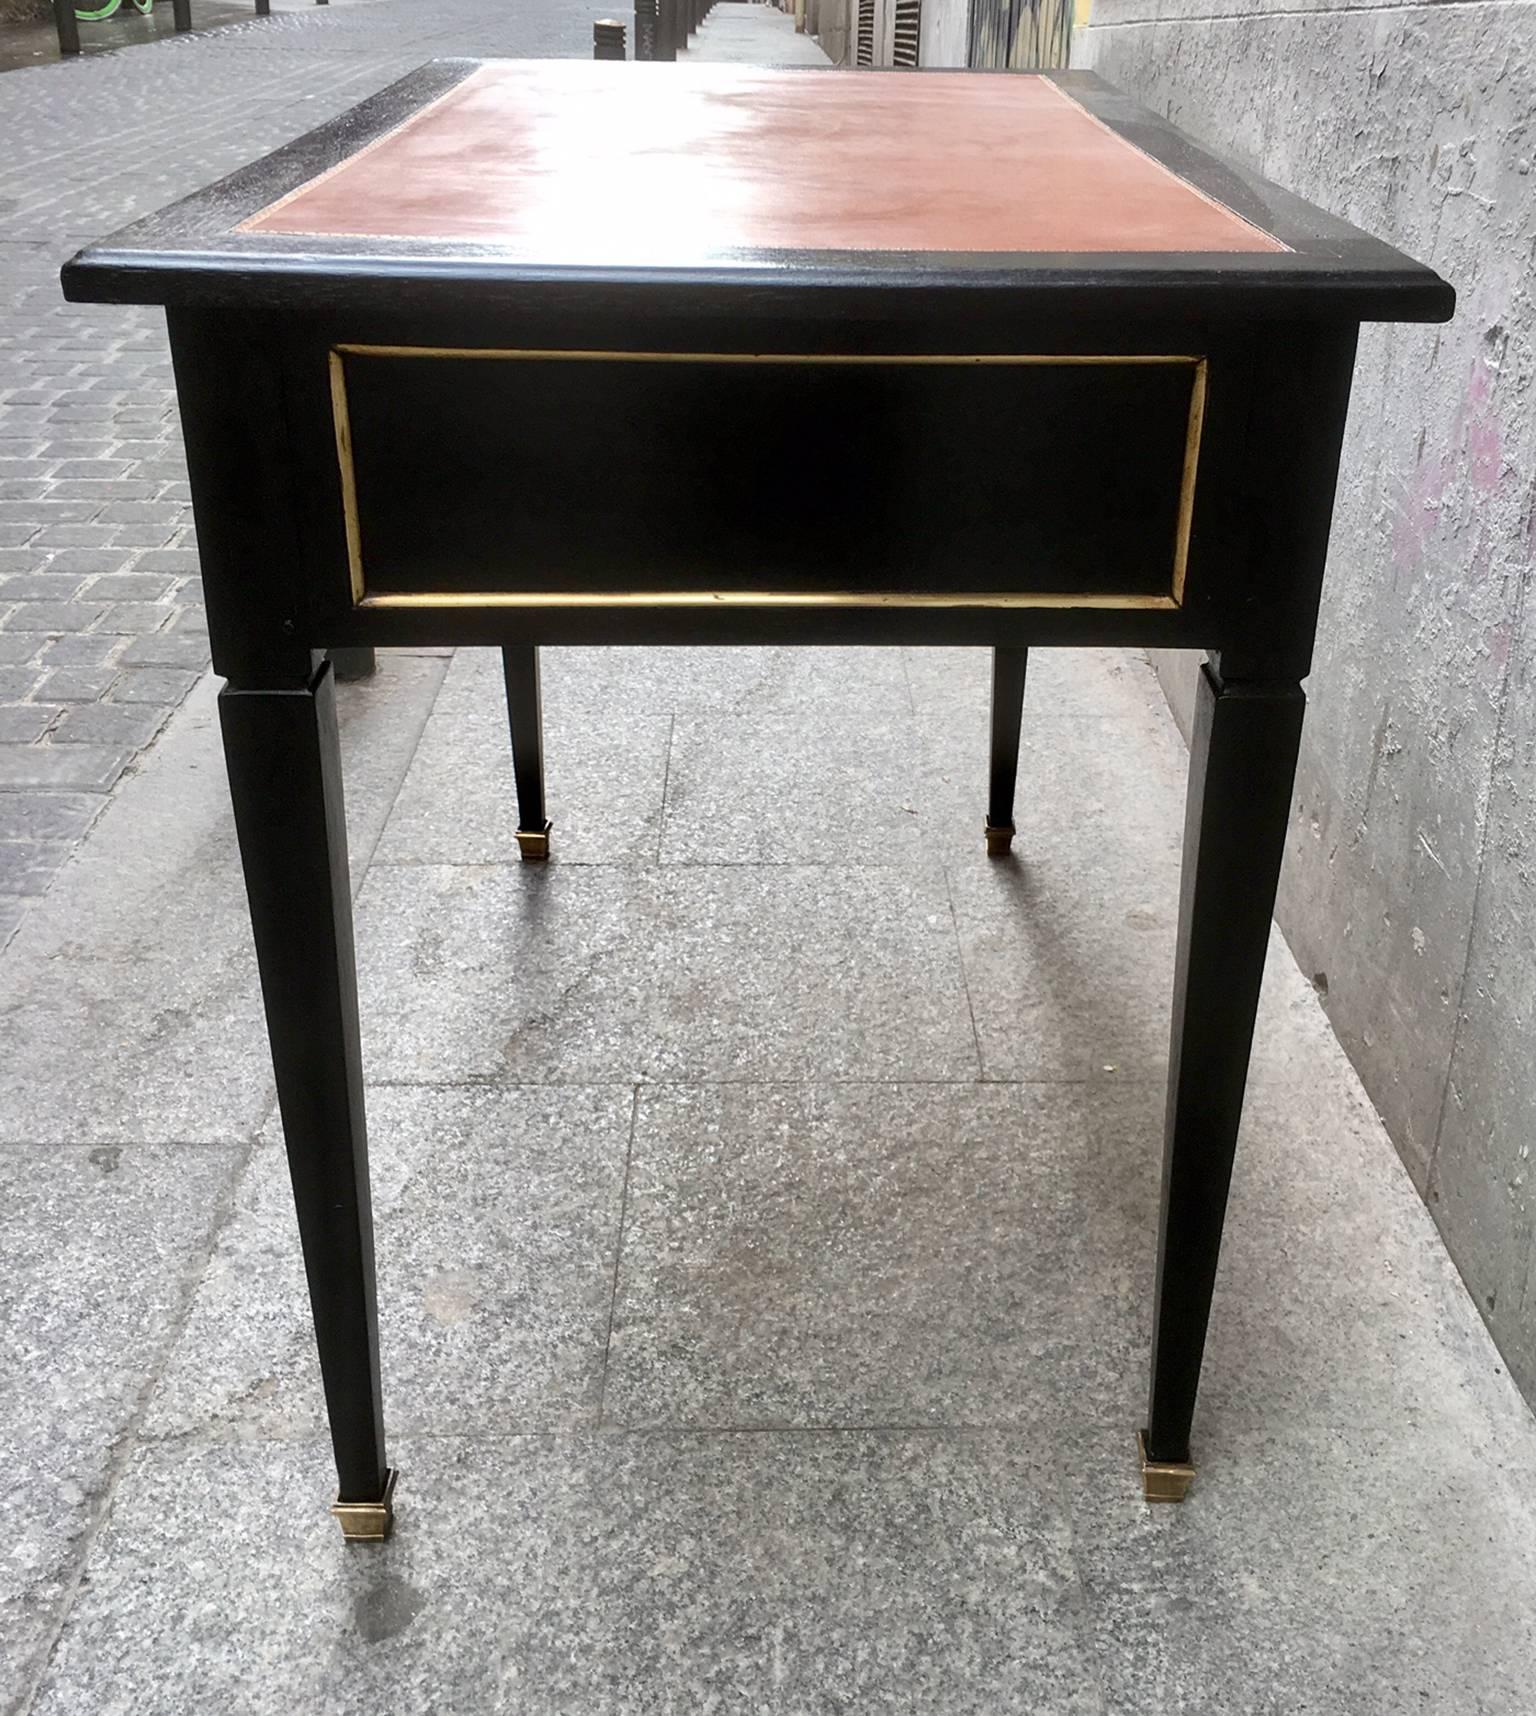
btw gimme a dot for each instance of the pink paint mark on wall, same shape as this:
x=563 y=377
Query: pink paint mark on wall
x=1473 y=461
x=1485 y=460
x=1419 y=512
x=1482 y=430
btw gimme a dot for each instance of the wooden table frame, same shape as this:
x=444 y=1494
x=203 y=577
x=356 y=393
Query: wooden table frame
x=292 y=354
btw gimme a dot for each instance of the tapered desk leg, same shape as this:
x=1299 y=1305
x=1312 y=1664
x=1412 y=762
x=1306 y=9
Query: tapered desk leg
x=1242 y=764
x=285 y=779
x=520 y=664
x=1008 y=667
x=361 y=662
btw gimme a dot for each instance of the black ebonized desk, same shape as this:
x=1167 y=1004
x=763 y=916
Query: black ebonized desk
x=1096 y=379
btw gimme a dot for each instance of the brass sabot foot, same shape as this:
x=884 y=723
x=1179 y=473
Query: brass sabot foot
x=368 y=1521
x=1163 y=1480
x=533 y=843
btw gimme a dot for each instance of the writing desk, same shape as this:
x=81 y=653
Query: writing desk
x=1083 y=383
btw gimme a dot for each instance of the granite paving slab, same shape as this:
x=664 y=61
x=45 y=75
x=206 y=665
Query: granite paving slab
x=599 y=974
x=604 y=778
x=1069 y=964
x=129 y=1004
x=814 y=1255
x=496 y=1221
x=789 y=1572
x=695 y=680
x=1359 y=1574
x=100 y=1250
x=816 y=784
x=1102 y=684
x=590 y=1576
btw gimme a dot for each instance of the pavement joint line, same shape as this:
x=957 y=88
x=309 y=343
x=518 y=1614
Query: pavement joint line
x=618 y=1251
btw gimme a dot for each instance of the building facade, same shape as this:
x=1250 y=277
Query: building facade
x=985 y=34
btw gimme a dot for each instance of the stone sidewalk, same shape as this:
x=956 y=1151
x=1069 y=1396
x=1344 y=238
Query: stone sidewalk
x=754 y=34
x=765 y=1194
x=101 y=621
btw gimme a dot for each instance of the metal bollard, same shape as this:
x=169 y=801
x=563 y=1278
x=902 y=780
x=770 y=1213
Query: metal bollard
x=645 y=30
x=608 y=40
x=67 y=25
x=666 y=29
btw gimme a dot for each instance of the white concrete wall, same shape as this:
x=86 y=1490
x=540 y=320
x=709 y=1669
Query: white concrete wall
x=943 y=38
x=1410 y=885
x=828 y=22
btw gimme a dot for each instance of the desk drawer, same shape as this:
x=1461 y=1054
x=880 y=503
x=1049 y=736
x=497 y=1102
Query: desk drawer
x=525 y=478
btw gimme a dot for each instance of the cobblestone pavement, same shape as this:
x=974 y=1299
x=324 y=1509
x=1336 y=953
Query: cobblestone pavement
x=101 y=618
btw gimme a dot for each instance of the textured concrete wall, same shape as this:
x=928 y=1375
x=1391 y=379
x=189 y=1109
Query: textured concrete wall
x=1410 y=885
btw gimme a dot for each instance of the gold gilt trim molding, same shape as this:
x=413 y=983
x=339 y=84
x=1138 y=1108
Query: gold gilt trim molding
x=765 y=598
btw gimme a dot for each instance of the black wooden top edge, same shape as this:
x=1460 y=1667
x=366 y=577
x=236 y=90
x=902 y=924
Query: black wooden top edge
x=189 y=254
x=1083 y=285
